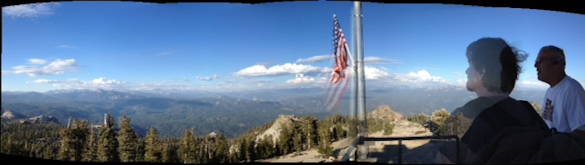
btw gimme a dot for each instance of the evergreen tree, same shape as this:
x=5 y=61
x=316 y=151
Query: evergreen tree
x=74 y=139
x=186 y=152
x=285 y=139
x=325 y=140
x=250 y=150
x=242 y=149
x=269 y=146
x=152 y=147
x=15 y=147
x=139 y=149
x=108 y=143
x=297 y=137
x=126 y=140
x=90 y=147
x=168 y=153
x=311 y=132
x=352 y=125
x=221 y=149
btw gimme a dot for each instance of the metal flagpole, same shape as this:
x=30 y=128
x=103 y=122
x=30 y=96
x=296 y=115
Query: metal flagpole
x=361 y=86
x=353 y=102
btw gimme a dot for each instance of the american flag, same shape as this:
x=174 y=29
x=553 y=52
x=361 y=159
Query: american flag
x=338 y=84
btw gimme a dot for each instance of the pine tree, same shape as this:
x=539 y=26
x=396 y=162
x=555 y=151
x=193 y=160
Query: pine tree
x=168 y=153
x=285 y=139
x=108 y=143
x=126 y=140
x=186 y=152
x=152 y=147
x=297 y=137
x=325 y=140
x=311 y=132
x=74 y=139
x=250 y=150
x=221 y=149
x=90 y=147
x=242 y=149
x=268 y=146
x=139 y=149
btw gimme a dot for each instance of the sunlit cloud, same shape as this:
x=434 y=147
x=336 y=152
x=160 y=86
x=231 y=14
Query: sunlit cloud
x=100 y=83
x=301 y=79
x=372 y=73
x=419 y=76
x=315 y=59
x=57 y=67
x=30 y=10
x=278 y=70
x=37 y=61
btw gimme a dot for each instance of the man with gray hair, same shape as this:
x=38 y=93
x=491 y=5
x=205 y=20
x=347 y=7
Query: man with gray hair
x=564 y=109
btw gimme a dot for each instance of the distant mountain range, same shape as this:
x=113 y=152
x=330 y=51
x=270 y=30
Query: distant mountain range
x=229 y=113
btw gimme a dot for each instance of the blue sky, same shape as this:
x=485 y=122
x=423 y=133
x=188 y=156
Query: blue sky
x=222 y=46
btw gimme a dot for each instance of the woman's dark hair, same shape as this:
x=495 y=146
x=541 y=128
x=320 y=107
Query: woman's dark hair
x=500 y=62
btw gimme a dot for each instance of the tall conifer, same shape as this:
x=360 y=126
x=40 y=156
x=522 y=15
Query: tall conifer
x=152 y=151
x=90 y=147
x=126 y=140
x=73 y=142
x=107 y=143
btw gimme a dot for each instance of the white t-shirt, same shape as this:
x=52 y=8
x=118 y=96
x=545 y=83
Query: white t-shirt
x=564 y=106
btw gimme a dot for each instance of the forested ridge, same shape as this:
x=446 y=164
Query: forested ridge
x=117 y=141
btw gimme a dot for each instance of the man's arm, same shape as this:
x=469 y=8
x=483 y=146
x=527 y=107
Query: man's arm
x=580 y=134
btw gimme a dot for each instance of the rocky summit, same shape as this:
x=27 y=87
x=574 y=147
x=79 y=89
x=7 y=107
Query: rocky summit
x=385 y=112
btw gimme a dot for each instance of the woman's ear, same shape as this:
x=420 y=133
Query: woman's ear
x=482 y=73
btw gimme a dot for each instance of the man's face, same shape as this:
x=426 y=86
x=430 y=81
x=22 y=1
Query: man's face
x=545 y=67
x=473 y=77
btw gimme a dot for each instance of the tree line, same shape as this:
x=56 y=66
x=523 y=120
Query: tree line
x=79 y=141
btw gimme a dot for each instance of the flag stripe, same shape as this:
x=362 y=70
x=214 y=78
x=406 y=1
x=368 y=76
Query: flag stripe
x=337 y=97
x=334 y=96
x=341 y=95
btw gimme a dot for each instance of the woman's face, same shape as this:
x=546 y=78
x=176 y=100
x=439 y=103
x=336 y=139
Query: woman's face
x=473 y=77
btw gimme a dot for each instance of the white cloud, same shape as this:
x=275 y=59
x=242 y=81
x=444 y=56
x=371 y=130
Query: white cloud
x=30 y=10
x=160 y=85
x=300 y=79
x=372 y=73
x=378 y=60
x=288 y=68
x=35 y=61
x=461 y=82
x=101 y=83
x=57 y=67
x=420 y=76
x=43 y=81
x=532 y=84
x=315 y=59
x=204 y=78
x=214 y=77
